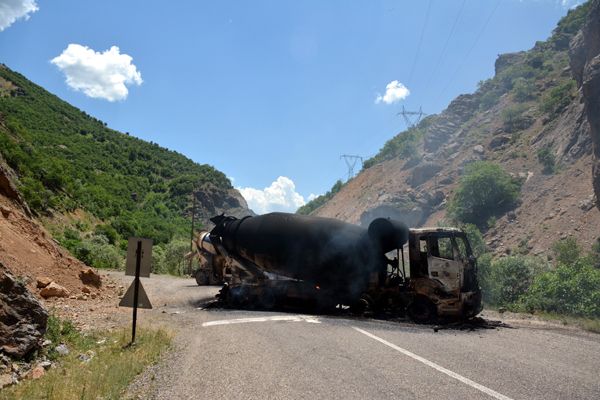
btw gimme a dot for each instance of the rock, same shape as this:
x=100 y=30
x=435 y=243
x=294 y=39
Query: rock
x=511 y=216
x=6 y=379
x=499 y=141
x=422 y=173
x=37 y=372
x=23 y=319
x=45 y=364
x=6 y=211
x=90 y=277
x=46 y=342
x=62 y=349
x=43 y=281
x=587 y=203
x=54 y=290
x=478 y=149
x=86 y=290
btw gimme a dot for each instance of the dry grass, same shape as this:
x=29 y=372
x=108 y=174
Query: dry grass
x=105 y=376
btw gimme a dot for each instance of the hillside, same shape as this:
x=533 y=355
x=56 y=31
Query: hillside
x=92 y=186
x=529 y=119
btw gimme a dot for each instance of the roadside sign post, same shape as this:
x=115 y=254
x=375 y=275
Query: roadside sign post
x=139 y=259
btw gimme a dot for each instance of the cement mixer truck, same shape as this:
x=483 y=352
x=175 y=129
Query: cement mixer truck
x=281 y=259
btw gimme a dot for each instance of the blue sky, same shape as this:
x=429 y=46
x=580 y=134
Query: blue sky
x=266 y=89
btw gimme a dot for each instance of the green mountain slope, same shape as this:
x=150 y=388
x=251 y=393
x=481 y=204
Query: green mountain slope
x=67 y=160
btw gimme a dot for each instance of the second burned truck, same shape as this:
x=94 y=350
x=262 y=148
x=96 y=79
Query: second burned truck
x=284 y=259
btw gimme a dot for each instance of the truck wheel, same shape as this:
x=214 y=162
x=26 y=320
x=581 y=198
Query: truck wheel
x=422 y=311
x=201 y=278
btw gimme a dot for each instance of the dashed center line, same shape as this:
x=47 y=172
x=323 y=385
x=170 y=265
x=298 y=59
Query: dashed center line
x=433 y=365
x=288 y=318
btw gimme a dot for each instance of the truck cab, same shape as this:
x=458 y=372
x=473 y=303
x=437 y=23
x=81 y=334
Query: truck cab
x=443 y=274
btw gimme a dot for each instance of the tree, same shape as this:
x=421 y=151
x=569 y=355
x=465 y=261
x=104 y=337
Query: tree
x=485 y=191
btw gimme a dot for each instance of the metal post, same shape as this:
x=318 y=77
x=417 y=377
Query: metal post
x=192 y=231
x=136 y=287
x=403 y=268
x=193 y=219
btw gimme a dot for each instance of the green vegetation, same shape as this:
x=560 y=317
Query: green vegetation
x=67 y=160
x=556 y=99
x=570 y=287
x=523 y=90
x=320 y=200
x=484 y=191
x=547 y=159
x=404 y=144
x=514 y=119
x=110 y=369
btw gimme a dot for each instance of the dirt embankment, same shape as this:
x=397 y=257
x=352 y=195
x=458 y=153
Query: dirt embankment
x=30 y=253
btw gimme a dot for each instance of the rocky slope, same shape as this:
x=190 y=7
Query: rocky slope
x=585 y=65
x=530 y=106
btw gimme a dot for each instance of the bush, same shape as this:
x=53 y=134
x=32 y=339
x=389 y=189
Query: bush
x=476 y=239
x=98 y=253
x=170 y=258
x=514 y=120
x=556 y=99
x=547 y=159
x=505 y=280
x=572 y=289
x=523 y=89
x=485 y=191
x=566 y=251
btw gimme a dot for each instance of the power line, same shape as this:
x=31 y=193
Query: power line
x=464 y=59
x=445 y=47
x=412 y=70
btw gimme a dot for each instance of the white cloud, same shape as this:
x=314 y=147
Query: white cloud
x=312 y=196
x=570 y=3
x=281 y=195
x=98 y=75
x=394 y=91
x=12 y=10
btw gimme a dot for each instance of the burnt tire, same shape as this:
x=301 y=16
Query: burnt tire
x=422 y=311
x=201 y=277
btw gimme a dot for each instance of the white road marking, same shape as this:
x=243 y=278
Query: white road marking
x=289 y=318
x=433 y=365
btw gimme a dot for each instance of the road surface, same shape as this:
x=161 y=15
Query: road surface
x=233 y=354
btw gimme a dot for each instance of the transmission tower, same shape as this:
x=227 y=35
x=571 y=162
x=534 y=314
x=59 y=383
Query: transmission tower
x=412 y=118
x=351 y=161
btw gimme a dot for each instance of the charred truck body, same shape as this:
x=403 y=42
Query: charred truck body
x=282 y=259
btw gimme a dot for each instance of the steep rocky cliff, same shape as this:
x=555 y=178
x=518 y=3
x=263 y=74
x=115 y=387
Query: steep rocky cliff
x=585 y=66
x=529 y=118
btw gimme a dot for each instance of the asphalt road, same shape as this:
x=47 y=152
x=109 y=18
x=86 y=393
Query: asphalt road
x=231 y=354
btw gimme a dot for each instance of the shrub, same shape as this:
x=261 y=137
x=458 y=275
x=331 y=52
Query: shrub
x=514 y=120
x=476 y=239
x=566 y=251
x=485 y=191
x=507 y=279
x=523 y=89
x=98 y=253
x=170 y=258
x=572 y=289
x=556 y=99
x=547 y=159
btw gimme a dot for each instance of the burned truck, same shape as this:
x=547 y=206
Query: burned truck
x=280 y=260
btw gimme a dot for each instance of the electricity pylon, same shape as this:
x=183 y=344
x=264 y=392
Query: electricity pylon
x=351 y=161
x=412 y=118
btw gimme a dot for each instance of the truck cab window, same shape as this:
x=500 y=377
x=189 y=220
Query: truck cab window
x=442 y=247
